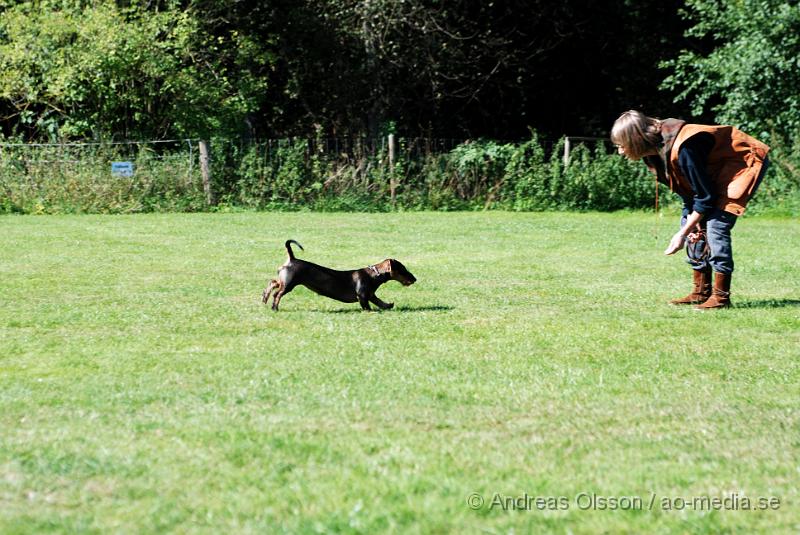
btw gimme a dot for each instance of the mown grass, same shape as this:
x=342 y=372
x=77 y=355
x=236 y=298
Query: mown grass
x=145 y=388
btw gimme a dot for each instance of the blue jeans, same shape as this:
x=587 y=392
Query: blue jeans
x=718 y=225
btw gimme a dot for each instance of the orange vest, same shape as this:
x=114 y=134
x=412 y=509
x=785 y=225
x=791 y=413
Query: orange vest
x=733 y=164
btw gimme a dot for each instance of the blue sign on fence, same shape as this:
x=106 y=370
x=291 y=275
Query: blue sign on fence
x=121 y=168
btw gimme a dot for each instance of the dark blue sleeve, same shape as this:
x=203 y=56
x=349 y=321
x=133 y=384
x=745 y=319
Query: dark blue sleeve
x=692 y=159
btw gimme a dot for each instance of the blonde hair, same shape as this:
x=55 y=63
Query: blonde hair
x=636 y=133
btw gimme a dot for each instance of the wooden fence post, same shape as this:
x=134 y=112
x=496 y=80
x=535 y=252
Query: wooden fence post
x=205 y=170
x=577 y=139
x=392 y=183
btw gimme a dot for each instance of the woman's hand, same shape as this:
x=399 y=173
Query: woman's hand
x=676 y=244
x=695 y=234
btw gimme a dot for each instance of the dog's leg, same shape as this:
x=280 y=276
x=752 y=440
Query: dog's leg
x=286 y=284
x=375 y=300
x=284 y=289
x=273 y=284
x=364 y=302
x=277 y=299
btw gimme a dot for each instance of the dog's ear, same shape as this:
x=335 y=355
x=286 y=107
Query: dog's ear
x=385 y=266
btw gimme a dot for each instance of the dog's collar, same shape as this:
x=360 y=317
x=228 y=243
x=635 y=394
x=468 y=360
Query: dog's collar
x=375 y=270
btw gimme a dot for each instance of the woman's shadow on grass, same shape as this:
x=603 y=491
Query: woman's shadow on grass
x=767 y=303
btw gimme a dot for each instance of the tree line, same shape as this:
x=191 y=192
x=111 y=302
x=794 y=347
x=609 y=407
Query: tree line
x=160 y=69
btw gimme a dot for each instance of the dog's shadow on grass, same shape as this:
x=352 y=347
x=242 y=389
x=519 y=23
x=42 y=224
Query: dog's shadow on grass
x=402 y=309
x=767 y=303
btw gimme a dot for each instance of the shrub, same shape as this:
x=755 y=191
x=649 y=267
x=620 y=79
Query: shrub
x=299 y=174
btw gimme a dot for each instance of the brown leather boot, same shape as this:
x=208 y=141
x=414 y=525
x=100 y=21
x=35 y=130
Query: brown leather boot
x=702 y=289
x=721 y=295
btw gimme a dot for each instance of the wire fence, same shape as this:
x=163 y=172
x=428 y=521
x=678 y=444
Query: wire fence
x=35 y=159
x=193 y=174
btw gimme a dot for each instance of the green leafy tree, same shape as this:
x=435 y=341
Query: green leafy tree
x=438 y=62
x=278 y=68
x=74 y=70
x=751 y=78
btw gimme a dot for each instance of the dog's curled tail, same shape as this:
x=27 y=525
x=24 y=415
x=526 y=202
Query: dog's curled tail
x=289 y=248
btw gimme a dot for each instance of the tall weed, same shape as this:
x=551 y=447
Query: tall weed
x=299 y=174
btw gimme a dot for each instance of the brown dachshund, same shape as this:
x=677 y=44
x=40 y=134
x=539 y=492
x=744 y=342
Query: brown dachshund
x=346 y=286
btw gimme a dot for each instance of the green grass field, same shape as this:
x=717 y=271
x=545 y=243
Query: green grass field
x=144 y=388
